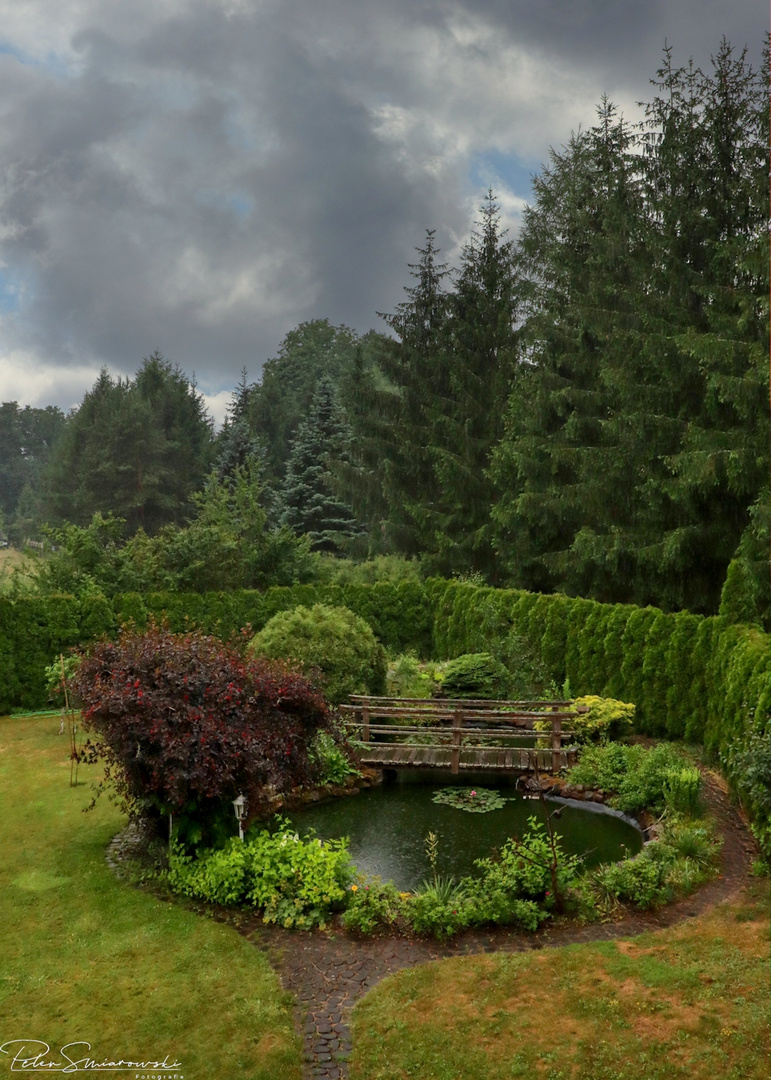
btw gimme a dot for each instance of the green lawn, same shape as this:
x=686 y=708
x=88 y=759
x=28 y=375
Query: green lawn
x=687 y=1003
x=85 y=957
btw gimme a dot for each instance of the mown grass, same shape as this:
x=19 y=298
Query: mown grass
x=687 y=1003
x=85 y=957
x=14 y=562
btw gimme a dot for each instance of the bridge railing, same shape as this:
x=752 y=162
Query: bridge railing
x=460 y=725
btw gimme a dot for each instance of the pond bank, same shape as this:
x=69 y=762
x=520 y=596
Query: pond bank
x=329 y=971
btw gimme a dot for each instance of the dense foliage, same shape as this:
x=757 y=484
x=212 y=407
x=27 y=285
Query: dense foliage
x=184 y=725
x=27 y=437
x=637 y=437
x=703 y=679
x=637 y=777
x=332 y=641
x=475 y=675
x=227 y=545
x=294 y=882
x=138 y=448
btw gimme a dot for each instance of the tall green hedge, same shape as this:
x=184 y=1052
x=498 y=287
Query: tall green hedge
x=690 y=676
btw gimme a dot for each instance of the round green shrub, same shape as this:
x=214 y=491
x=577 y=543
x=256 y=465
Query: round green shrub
x=338 y=643
x=475 y=675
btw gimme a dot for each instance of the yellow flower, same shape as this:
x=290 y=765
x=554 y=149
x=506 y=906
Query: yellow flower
x=354 y=888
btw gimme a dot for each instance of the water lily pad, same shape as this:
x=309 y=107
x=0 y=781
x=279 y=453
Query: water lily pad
x=476 y=800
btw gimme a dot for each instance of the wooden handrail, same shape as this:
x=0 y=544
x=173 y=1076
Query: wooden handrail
x=481 y=733
x=503 y=721
x=466 y=702
x=447 y=714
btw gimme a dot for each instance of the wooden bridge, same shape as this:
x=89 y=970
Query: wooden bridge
x=458 y=734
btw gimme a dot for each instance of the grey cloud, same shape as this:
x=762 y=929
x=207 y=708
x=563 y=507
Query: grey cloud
x=201 y=182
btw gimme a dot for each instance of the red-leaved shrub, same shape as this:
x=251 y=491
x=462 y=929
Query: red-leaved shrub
x=184 y=724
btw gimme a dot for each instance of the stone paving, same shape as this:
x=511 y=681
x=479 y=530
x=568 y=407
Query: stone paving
x=327 y=972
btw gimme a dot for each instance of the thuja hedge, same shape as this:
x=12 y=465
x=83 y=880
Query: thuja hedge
x=34 y=629
x=693 y=677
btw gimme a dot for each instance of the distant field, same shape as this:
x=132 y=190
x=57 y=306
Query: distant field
x=11 y=559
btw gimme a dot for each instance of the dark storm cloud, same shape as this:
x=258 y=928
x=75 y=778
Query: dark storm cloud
x=201 y=175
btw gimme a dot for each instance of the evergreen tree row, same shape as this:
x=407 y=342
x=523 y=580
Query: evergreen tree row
x=582 y=410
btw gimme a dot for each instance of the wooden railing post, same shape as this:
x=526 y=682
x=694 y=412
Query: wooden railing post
x=457 y=724
x=365 y=724
x=556 y=742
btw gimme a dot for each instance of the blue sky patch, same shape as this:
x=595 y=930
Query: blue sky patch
x=494 y=168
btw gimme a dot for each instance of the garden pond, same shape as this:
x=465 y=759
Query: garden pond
x=387 y=826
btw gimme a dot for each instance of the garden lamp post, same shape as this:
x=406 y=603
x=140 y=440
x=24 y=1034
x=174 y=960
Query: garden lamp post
x=239 y=805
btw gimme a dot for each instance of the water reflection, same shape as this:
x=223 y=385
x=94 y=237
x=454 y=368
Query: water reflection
x=387 y=827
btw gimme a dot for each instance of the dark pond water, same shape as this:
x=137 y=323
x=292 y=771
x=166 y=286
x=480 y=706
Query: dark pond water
x=387 y=827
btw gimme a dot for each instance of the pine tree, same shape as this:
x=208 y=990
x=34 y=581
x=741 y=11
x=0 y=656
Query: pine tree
x=308 y=503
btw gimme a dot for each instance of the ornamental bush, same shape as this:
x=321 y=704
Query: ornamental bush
x=475 y=675
x=606 y=719
x=185 y=724
x=333 y=641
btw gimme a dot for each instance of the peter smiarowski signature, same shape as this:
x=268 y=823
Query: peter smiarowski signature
x=33 y=1055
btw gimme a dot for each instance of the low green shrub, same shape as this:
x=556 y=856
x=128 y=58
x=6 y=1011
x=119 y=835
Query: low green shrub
x=682 y=791
x=475 y=675
x=339 y=644
x=694 y=840
x=295 y=882
x=607 y=719
x=527 y=868
x=408 y=677
x=335 y=766
x=218 y=876
x=487 y=904
x=439 y=908
x=684 y=856
x=637 y=775
x=639 y=881
x=372 y=905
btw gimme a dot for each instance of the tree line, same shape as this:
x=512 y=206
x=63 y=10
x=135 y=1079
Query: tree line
x=583 y=409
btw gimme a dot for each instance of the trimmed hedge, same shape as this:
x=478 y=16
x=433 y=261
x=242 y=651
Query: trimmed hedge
x=690 y=676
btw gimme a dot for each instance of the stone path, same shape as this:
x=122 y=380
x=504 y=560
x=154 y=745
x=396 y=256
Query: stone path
x=329 y=971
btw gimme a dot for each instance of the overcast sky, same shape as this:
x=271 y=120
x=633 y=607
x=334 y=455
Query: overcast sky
x=199 y=176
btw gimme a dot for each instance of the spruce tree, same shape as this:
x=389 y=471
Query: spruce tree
x=394 y=405
x=481 y=356
x=137 y=448
x=280 y=401
x=308 y=504
x=637 y=435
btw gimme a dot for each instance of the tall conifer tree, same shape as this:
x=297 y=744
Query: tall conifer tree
x=308 y=503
